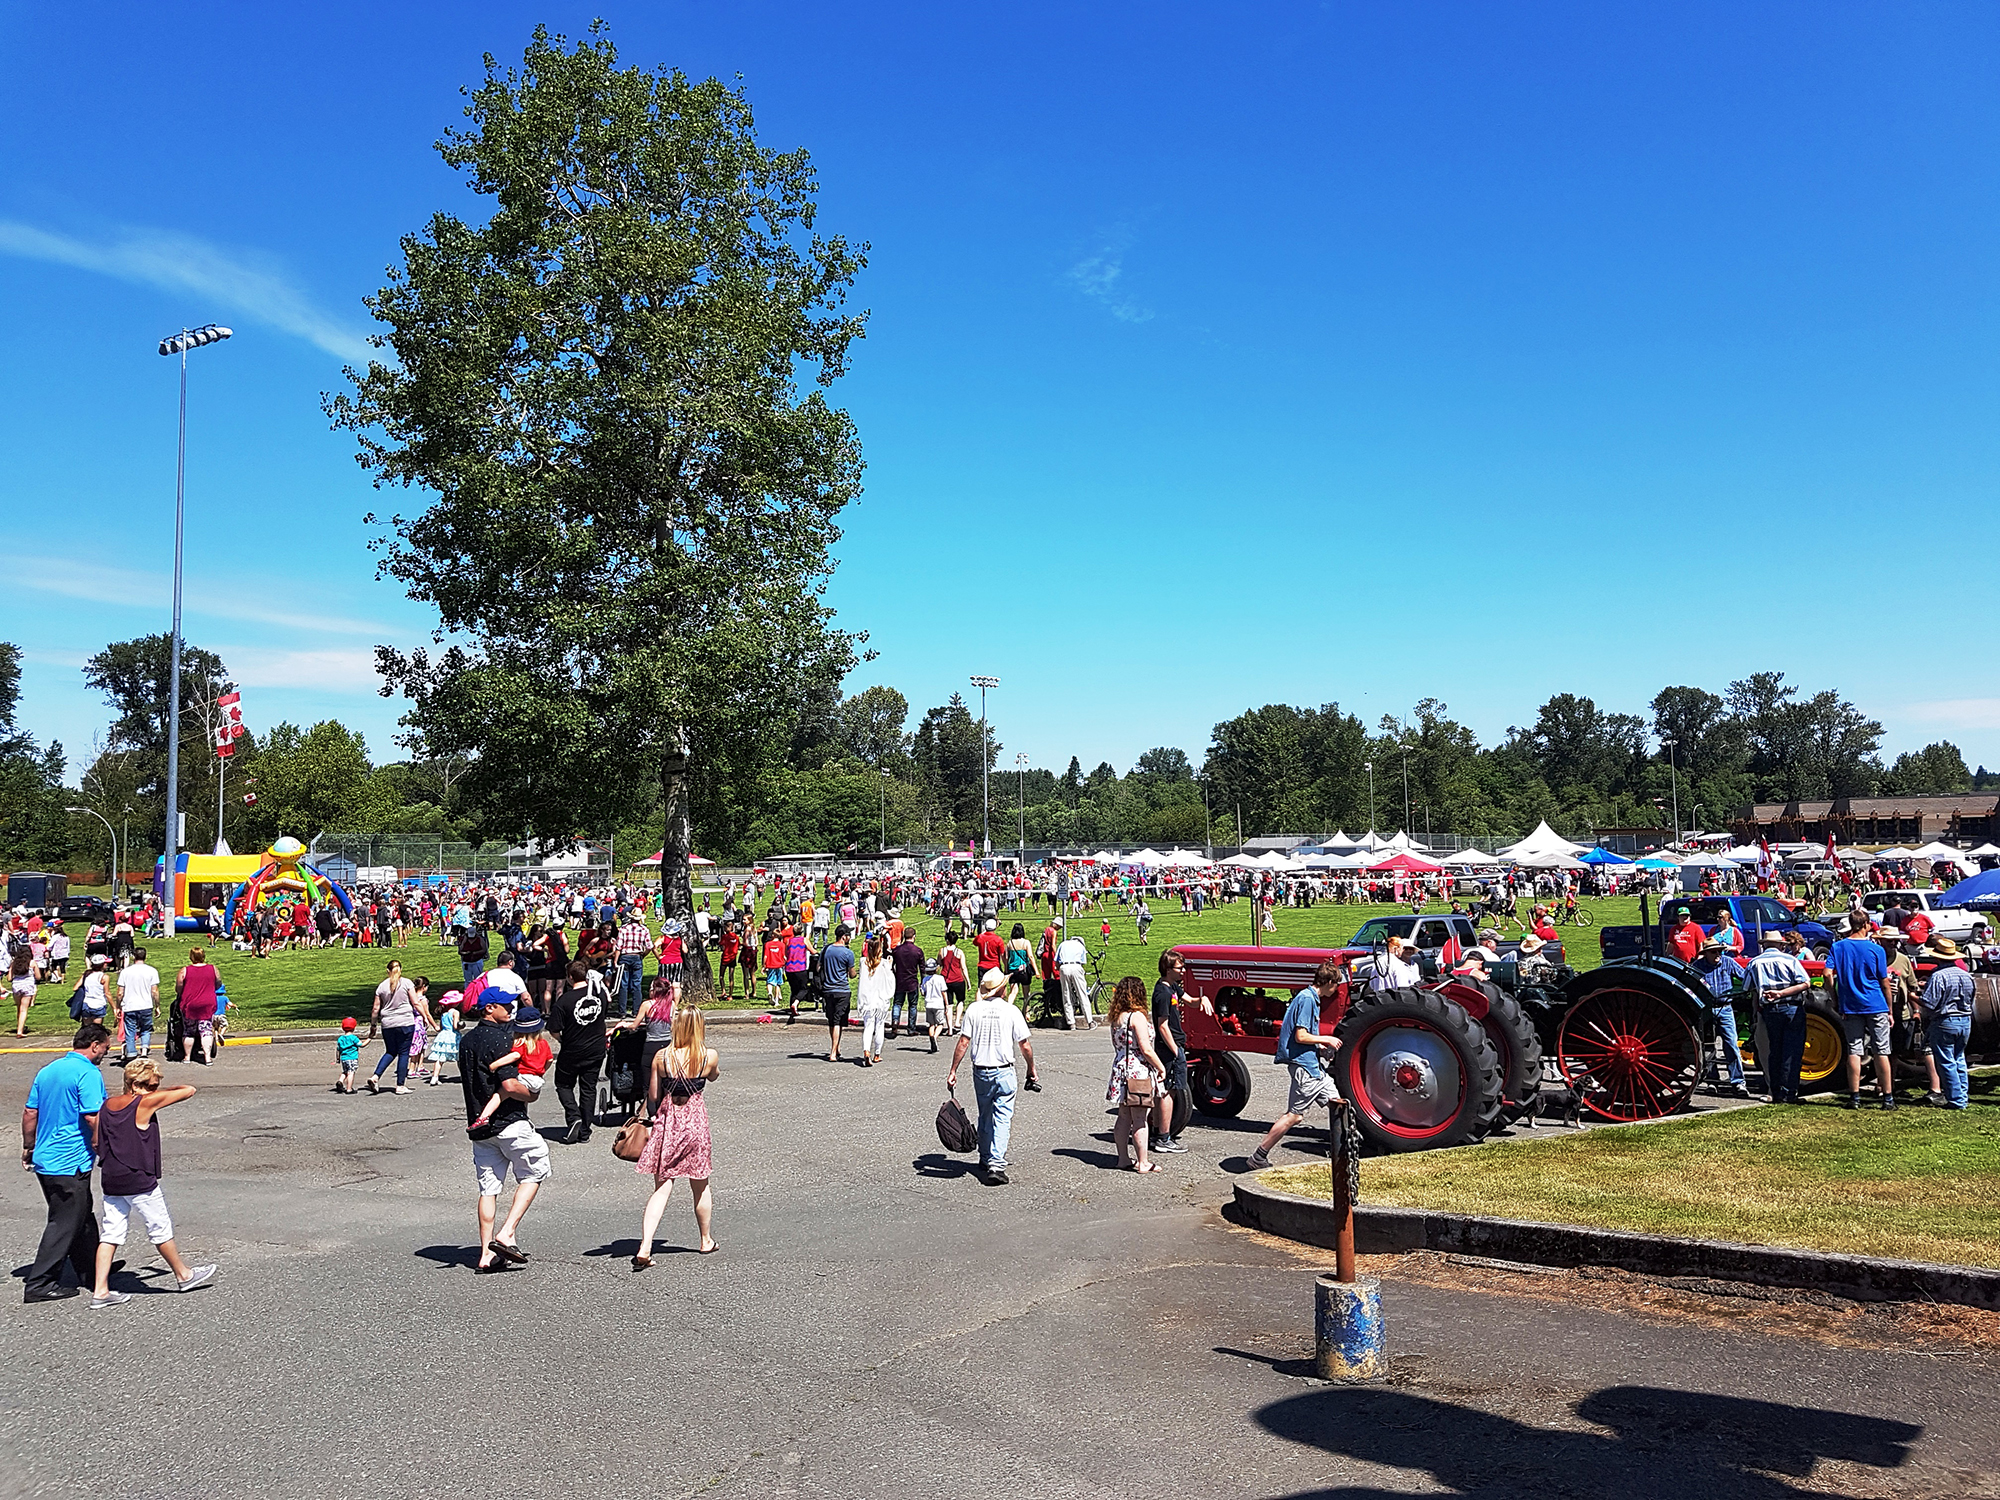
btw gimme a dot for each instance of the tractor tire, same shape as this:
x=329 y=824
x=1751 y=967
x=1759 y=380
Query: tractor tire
x=1419 y=1071
x=1512 y=1032
x=1629 y=1052
x=1220 y=1082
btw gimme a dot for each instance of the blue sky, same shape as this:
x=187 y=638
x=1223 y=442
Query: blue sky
x=1219 y=355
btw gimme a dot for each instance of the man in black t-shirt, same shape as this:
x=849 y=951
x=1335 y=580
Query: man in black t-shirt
x=1170 y=1041
x=576 y=1020
x=508 y=1141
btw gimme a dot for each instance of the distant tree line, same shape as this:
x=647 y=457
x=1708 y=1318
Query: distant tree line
x=852 y=772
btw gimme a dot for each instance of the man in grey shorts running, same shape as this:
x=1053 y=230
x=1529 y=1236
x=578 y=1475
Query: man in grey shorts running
x=1299 y=1048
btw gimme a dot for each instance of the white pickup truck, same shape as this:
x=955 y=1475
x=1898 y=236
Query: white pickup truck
x=1954 y=922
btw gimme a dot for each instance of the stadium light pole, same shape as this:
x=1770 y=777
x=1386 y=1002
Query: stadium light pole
x=985 y=798
x=1674 y=774
x=114 y=843
x=1369 y=767
x=885 y=810
x=1021 y=801
x=179 y=343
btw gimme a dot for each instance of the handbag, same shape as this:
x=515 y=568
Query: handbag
x=631 y=1139
x=955 y=1131
x=1141 y=1090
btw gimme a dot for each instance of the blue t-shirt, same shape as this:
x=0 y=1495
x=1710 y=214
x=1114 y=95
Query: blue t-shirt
x=1301 y=1015
x=1862 y=972
x=63 y=1093
x=836 y=968
x=348 y=1046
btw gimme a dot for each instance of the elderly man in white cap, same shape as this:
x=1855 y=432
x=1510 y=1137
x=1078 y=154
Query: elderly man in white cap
x=993 y=1028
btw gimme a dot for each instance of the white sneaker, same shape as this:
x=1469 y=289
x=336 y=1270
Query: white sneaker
x=111 y=1299
x=196 y=1276
x=401 y=1090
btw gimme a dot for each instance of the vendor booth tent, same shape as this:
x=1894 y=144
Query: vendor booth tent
x=1186 y=859
x=1544 y=840
x=1602 y=856
x=1980 y=893
x=1466 y=857
x=1404 y=864
x=652 y=860
x=1984 y=851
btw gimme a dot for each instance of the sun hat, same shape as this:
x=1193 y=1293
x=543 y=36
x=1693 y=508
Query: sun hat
x=527 y=1020
x=1944 y=947
x=1532 y=944
x=993 y=982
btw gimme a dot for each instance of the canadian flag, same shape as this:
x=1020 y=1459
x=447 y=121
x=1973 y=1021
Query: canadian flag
x=225 y=742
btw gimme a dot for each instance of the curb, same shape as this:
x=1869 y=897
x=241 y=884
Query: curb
x=1393 y=1231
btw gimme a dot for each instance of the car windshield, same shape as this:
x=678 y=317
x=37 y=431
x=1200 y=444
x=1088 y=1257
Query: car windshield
x=1378 y=930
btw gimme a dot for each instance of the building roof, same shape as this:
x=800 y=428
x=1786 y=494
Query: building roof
x=1965 y=804
x=1284 y=843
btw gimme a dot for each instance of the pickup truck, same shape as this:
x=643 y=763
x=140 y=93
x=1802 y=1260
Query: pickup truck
x=1753 y=914
x=1954 y=922
x=1429 y=932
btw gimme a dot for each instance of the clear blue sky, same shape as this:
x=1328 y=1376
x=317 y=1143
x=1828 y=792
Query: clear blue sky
x=1301 y=353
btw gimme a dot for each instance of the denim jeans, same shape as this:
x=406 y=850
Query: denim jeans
x=1725 y=1025
x=1784 y=1048
x=473 y=967
x=137 y=1029
x=914 y=1000
x=631 y=977
x=994 y=1089
x=1948 y=1036
x=396 y=1048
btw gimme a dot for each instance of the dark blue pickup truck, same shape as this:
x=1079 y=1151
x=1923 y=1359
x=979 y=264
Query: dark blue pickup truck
x=1754 y=914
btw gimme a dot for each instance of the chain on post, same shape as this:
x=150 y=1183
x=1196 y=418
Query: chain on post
x=1344 y=1146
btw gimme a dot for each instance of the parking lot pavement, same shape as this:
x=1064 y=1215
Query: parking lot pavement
x=877 y=1323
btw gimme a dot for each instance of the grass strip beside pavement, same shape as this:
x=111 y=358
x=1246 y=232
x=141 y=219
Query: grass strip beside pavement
x=1919 y=1184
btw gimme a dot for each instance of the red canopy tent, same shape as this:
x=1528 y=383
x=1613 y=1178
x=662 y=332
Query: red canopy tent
x=1406 y=864
x=653 y=859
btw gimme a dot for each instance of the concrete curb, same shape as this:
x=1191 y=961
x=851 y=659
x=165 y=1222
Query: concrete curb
x=1392 y=1231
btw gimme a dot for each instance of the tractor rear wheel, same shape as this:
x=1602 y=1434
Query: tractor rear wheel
x=1629 y=1054
x=1419 y=1071
x=1514 y=1038
x=1220 y=1082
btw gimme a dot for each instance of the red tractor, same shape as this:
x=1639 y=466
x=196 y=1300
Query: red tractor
x=1446 y=1062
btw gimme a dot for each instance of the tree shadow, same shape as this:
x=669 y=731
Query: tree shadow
x=1664 y=1444
x=937 y=1164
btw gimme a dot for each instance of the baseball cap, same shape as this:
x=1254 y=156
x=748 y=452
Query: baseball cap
x=527 y=1019
x=347 y=1023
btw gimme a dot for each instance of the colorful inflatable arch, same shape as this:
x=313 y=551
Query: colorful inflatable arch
x=283 y=879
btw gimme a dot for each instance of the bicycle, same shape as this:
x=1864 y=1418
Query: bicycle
x=1573 y=915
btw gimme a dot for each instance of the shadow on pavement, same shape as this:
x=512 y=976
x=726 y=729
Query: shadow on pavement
x=1663 y=1443
x=937 y=1164
x=449 y=1255
x=1106 y=1159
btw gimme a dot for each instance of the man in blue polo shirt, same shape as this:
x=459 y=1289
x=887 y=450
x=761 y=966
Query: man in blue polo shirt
x=1300 y=1044
x=1862 y=973
x=59 y=1145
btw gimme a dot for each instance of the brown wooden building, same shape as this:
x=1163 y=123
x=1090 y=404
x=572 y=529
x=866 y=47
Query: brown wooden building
x=1973 y=816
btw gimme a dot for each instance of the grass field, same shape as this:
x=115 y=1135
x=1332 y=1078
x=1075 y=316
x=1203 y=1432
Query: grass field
x=316 y=987
x=1921 y=1184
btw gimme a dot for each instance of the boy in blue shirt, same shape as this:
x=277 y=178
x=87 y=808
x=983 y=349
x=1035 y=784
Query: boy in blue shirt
x=1299 y=1047
x=348 y=1052
x=1861 y=971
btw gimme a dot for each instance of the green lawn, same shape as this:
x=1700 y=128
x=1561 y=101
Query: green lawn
x=1921 y=1184
x=317 y=987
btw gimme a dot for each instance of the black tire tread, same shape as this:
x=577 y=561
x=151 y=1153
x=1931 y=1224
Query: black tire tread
x=1477 y=1055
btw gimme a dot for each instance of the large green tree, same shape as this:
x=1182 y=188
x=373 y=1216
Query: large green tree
x=135 y=678
x=34 y=828
x=613 y=392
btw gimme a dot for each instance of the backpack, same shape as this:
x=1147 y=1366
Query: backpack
x=76 y=1010
x=955 y=1131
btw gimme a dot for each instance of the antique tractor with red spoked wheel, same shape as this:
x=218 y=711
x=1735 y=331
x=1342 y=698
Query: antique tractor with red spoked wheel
x=1448 y=1062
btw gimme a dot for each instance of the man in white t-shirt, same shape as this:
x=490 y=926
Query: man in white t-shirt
x=1393 y=970
x=991 y=1030
x=502 y=976
x=138 y=994
x=1071 y=955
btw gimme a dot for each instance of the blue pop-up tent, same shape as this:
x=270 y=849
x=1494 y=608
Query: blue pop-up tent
x=1602 y=856
x=1980 y=893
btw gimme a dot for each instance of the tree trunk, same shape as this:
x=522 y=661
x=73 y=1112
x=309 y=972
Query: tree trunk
x=676 y=885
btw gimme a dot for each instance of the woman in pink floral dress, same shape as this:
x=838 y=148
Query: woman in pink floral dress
x=678 y=1143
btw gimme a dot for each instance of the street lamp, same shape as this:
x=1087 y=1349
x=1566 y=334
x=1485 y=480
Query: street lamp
x=985 y=798
x=885 y=810
x=1021 y=801
x=1406 y=791
x=179 y=343
x=114 y=844
x=1369 y=767
x=1674 y=775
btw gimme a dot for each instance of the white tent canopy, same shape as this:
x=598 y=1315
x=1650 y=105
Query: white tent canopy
x=1897 y=853
x=1186 y=859
x=1551 y=860
x=1544 y=840
x=1150 y=858
x=1743 y=854
x=1984 y=851
x=1340 y=840
x=1938 y=850
x=1472 y=857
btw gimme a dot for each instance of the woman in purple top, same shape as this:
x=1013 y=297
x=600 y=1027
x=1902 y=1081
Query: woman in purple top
x=128 y=1142
x=195 y=989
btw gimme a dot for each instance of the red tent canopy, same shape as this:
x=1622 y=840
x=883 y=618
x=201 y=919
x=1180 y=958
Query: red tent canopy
x=653 y=859
x=1406 y=864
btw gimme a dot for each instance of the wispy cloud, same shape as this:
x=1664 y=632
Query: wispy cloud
x=1100 y=277
x=1958 y=713
x=132 y=587
x=333 y=670
x=246 y=284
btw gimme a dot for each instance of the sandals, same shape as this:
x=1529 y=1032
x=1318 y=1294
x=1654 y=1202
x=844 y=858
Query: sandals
x=1150 y=1166
x=713 y=1247
x=641 y=1262
x=508 y=1252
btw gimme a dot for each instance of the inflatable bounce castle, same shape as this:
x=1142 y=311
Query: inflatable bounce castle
x=284 y=880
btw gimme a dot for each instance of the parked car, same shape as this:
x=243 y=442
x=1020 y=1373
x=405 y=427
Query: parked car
x=85 y=909
x=1429 y=932
x=1954 y=922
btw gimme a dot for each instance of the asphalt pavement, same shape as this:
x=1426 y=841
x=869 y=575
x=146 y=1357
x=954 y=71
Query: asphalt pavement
x=877 y=1323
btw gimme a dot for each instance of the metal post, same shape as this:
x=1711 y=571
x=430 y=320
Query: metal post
x=1369 y=767
x=1350 y=1343
x=1021 y=802
x=1674 y=774
x=173 y=842
x=985 y=796
x=1346 y=1166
